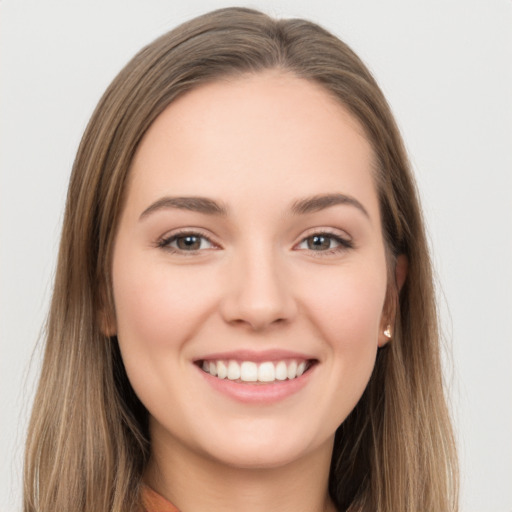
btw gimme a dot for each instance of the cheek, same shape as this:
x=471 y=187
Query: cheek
x=346 y=310
x=158 y=310
x=155 y=307
x=347 y=306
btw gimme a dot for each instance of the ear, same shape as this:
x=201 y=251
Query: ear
x=389 y=313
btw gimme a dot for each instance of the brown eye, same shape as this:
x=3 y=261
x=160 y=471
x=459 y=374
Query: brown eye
x=186 y=242
x=319 y=242
x=327 y=243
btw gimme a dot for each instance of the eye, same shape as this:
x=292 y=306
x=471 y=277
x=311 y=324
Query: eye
x=186 y=242
x=325 y=242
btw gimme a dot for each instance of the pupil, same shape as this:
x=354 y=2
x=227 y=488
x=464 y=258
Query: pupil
x=319 y=242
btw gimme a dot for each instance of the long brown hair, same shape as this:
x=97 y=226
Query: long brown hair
x=88 y=440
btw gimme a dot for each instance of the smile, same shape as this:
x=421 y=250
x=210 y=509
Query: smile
x=251 y=371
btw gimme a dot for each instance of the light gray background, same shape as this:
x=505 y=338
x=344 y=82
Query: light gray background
x=446 y=68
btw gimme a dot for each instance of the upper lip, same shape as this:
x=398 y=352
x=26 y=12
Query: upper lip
x=256 y=356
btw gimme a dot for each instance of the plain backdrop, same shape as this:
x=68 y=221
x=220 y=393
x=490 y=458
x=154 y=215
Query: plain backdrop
x=446 y=69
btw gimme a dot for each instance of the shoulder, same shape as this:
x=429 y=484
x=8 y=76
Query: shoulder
x=154 y=502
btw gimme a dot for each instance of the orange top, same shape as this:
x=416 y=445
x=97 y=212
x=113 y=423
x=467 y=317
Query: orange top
x=153 y=502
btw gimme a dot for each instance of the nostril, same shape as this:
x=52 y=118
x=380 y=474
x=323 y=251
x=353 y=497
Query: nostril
x=256 y=294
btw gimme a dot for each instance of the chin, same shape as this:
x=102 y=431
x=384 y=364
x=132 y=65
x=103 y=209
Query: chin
x=259 y=448
x=253 y=458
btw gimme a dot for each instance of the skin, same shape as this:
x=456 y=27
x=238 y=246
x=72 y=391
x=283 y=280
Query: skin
x=254 y=144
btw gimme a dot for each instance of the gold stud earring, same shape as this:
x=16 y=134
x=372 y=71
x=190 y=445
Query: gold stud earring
x=387 y=332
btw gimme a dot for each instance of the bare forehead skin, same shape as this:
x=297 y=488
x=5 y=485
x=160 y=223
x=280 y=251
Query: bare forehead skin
x=244 y=89
x=237 y=122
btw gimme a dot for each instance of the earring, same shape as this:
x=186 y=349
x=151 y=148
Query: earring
x=387 y=332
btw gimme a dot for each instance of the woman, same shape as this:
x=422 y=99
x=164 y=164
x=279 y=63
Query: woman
x=243 y=315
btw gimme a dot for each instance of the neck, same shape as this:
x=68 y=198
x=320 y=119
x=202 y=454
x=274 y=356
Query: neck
x=194 y=483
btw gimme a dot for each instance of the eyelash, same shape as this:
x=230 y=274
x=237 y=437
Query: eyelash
x=344 y=244
x=165 y=243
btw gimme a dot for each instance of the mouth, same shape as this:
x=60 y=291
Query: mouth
x=254 y=372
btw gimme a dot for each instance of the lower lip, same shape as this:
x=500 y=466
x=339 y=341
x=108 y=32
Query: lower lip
x=258 y=393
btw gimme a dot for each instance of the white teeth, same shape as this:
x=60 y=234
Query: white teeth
x=281 y=371
x=292 y=370
x=266 y=372
x=222 y=370
x=233 y=370
x=249 y=371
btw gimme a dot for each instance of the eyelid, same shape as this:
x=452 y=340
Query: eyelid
x=345 y=241
x=342 y=237
x=335 y=232
x=165 y=240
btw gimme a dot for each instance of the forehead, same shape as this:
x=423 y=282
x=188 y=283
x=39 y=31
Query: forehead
x=269 y=134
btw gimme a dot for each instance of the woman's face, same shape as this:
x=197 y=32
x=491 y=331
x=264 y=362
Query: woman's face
x=249 y=271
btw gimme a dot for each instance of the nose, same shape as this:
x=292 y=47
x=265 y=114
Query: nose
x=258 y=291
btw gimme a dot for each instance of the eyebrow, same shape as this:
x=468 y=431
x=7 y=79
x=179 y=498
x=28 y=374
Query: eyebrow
x=321 y=202
x=195 y=204
x=209 y=206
